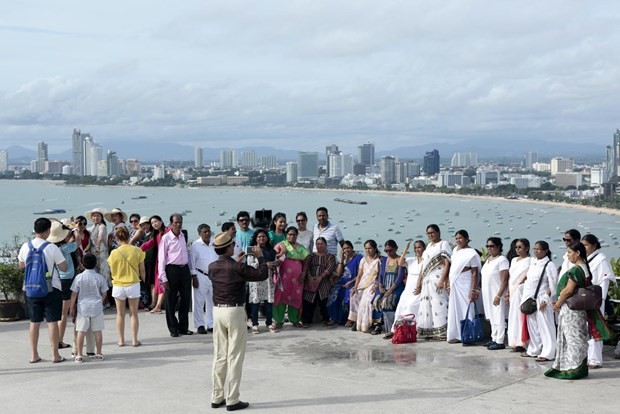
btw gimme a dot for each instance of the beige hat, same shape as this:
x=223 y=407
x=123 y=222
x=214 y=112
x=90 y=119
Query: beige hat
x=222 y=240
x=58 y=232
x=144 y=219
x=89 y=214
x=67 y=222
x=108 y=216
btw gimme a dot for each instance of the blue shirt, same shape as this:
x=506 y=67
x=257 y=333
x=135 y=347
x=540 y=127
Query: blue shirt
x=66 y=250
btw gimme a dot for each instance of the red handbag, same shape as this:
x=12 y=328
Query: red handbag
x=405 y=330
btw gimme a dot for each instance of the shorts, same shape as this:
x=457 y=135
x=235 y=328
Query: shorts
x=126 y=292
x=95 y=323
x=66 y=288
x=49 y=307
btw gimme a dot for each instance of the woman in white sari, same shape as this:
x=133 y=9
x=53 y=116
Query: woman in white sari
x=602 y=275
x=433 y=310
x=464 y=272
x=364 y=290
x=541 y=324
x=409 y=302
x=519 y=266
x=494 y=278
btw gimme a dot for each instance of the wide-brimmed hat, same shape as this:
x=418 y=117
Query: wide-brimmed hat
x=222 y=240
x=108 y=215
x=144 y=219
x=68 y=223
x=89 y=214
x=58 y=232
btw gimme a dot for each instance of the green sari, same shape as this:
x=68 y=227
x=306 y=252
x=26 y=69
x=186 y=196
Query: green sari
x=574 y=330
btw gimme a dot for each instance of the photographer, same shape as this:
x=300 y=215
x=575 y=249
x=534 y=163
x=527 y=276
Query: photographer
x=229 y=319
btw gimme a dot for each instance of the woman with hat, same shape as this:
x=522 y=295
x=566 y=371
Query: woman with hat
x=62 y=236
x=99 y=237
x=118 y=217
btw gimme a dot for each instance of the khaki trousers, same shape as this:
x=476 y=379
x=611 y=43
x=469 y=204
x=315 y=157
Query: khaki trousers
x=229 y=338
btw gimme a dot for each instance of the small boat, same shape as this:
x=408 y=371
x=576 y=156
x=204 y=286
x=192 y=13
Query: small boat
x=138 y=198
x=345 y=200
x=52 y=211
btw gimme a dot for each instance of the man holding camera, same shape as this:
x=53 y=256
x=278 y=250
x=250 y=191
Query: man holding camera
x=229 y=319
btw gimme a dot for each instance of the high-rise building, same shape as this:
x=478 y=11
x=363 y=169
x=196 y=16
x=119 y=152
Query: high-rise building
x=366 y=154
x=329 y=150
x=388 y=170
x=450 y=179
x=54 y=167
x=610 y=172
x=93 y=153
x=340 y=165
x=4 y=160
x=228 y=159
x=269 y=162
x=431 y=162
x=561 y=164
x=198 y=157
x=484 y=177
x=529 y=158
x=616 y=169
x=291 y=172
x=113 y=164
x=464 y=159
x=405 y=170
x=77 y=146
x=248 y=160
x=41 y=156
x=308 y=166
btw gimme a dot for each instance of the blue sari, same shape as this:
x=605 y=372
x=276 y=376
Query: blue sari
x=338 y=301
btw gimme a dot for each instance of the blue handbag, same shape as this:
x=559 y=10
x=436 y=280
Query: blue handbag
x=471 y=329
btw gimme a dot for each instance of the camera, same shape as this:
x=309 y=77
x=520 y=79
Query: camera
x=249 y=250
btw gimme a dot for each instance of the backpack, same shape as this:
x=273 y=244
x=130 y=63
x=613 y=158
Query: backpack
x=35 y=278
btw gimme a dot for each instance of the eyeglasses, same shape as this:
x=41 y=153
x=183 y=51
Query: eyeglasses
x=567 y=240
x=301 y=220
x=490 y=246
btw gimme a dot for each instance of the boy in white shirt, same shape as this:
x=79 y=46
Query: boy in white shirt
x=92 y=288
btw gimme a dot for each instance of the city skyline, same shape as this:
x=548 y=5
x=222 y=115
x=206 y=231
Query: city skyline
x=398 y=73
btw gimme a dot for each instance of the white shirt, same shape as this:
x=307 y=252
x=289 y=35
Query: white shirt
x=53 y=257
x=90 y=286
x=202 y=255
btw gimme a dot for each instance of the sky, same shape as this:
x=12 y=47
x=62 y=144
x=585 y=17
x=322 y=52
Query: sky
x=304 y=74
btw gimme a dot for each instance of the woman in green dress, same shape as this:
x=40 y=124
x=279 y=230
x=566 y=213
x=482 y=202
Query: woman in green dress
x=575 y=327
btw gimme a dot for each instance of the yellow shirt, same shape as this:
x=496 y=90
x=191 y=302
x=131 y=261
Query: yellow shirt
x=124 y=264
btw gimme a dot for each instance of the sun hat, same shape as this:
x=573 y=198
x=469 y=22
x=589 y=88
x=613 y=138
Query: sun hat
x=58 y=232
x=108 y=215
x=222 y=240
x=68 y=223
x=89 y=214
x=144 y=219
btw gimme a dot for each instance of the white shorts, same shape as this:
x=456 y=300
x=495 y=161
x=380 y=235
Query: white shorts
x=126 y=292
x=83 y=323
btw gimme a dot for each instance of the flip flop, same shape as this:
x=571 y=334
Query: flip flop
x=541 y=359
x=34 y=361
x=137 y=344
x=99 y=357
x=121 y=344
x=62 y=345
x=58 y=361
x=526 y=355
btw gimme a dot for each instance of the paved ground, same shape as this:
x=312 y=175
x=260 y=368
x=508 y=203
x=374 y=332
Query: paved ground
x=294 y=371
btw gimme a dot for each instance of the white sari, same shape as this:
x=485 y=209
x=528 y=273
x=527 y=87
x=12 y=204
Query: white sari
x=602 y=275
x=518 y=270
x=460 y=288
x=410 y=303
x=433 y=308
x=491 y=282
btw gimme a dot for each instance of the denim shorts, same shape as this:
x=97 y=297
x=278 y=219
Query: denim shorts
x=49 y=307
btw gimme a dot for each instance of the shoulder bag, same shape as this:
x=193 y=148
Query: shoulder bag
x=529 y=306
x=586 y=298
x=471 y=329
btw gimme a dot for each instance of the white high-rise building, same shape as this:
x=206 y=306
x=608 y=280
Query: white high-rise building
x=248 y=160
x=464 y=159
x=291 y=172
x=529 y=158
x=269 y=162
x=340 y=165
x=561 y=164
x=41 y=156
x=228 y=159
x=159 y=172
x=4 y=160
x=388 y=170
x=308 y=165
x=198 y=157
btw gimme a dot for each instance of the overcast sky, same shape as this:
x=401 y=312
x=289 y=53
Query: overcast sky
x=293 y=74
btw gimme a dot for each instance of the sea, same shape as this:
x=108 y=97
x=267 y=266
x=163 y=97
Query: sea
x=397 y=216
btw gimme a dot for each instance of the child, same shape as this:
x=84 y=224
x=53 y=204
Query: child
x=92 y=289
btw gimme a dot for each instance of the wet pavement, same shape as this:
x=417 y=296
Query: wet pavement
x=293 y=371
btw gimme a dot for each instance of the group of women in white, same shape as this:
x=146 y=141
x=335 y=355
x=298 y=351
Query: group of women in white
x=443 y=280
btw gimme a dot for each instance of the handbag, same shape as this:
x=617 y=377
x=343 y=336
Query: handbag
x=585 y=299
x=405 y=330
x=529 y=306
x=471 y=329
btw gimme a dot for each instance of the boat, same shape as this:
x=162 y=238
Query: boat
x=138 y=198
x=52 y=211
x=346 y=200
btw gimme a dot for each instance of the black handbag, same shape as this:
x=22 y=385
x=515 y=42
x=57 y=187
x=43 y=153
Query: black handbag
x=529 y=306
x=585 y=299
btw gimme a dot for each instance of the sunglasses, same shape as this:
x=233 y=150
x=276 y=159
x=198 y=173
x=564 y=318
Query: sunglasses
x=490 y=246
x=567 y=240
x=133 y=221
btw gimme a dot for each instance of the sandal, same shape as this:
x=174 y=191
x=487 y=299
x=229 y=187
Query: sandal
x=272 y=329
x=594 y=366
x=255 y=329
x=348 y=324
x=298 y=325
x=542 y=359
x=526 y=355
x=279 y=325
x=99 y=357
x=79 y=359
